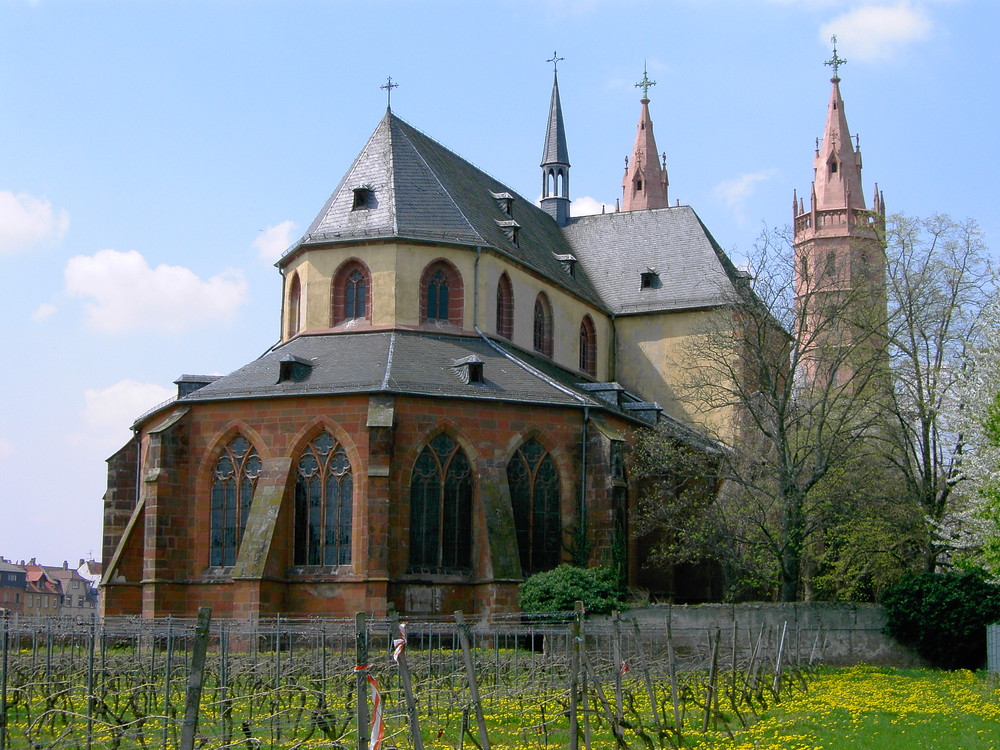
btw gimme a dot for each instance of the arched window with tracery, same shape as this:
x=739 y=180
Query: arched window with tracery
x=588 y=346
x=233 y=481
x=505 y=308
x=441 y=491
x=441 y=294
x=324 y=503
x=350 y=293
x=534 y=494
x=543 y=325
x=294 y=306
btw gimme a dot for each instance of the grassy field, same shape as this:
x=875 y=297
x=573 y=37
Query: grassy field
x=878 y=709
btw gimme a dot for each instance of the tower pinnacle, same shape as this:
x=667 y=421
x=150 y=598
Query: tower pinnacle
x=645 y=182
x=555 y=157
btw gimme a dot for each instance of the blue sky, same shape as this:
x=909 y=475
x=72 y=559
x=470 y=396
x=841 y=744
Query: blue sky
x=156 y=157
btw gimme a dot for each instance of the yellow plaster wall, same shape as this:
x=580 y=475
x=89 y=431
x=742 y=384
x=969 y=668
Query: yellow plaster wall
x=656 y=357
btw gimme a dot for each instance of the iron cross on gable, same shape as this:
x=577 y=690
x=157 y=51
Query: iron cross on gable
x=387 y=88
x=835 y=62
x=645 y=83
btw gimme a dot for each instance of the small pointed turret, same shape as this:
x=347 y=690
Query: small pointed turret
x=645 y=182
x=555 y=157
x=837 y=164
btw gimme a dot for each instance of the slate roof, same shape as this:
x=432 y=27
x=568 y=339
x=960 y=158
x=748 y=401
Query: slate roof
x=417 y=363
x=424 y=192
x=555 y=150
x=616 y=248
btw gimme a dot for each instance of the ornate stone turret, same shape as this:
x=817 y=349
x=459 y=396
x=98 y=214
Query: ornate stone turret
x=839 y=248
x=555 y=157
x=645 y=182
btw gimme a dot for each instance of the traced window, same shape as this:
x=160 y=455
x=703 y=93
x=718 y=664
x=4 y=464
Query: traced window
x=588 y=346
x=441 y=509
x=294 y=306
x=350 y=293
x=441 y=294
x=543 y=325
x=505 y=308
x=233 y=481
x=324 y=502
x=534 y=494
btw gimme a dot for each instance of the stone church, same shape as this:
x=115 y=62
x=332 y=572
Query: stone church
x=459 y=373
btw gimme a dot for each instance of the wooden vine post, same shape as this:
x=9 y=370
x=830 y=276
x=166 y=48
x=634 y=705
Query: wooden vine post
x=196 y=678
x=470 y=671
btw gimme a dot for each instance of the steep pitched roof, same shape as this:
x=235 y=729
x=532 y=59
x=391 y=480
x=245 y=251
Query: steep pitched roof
x=422 y=191
x=692 y=269
x=555 y=150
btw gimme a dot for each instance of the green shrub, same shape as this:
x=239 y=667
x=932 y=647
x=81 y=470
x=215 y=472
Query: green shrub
x=943 y=616
x=558 y=589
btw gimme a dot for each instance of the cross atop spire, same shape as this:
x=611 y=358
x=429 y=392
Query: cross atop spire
x=835 y=62
x=387 y=87
x=645 y=83
x=555 y=61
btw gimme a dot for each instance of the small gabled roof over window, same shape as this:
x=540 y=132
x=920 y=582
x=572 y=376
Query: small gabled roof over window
x=364 y=197
x=188 y=384
x=568 y=262
x=469 y=369
x=294 y=369
x=505 y=201
x=510 y=228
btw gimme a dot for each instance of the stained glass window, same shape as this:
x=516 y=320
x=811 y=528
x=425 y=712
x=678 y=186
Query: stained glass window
x=437 y=296
x=233 y=481
x=324 y=500
x=505 y=308
x=543 y=325
x=534 y=494
x=441 y=509
x=588 y=346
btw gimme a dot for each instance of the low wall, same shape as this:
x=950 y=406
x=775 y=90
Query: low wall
x=841 y=634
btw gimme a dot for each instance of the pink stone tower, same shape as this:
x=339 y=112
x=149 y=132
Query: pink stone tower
x=645 y=182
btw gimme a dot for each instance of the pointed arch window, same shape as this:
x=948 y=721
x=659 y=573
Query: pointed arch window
x=543 y=325
x=324 y=503
x=350 y=297
x=234 y=479
x=294 y=306
x=505 y=308
x=534 y=493
x=441 y=509
x=588 y=346
x=441 y=293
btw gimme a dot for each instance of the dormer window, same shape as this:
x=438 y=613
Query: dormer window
x=638 y=185
x=649 y=279
x=568 y=263
x=833 y=167
x=469 y=370
x=294 y=369
x=511 y=229
x=362 y=198
x=505 y=201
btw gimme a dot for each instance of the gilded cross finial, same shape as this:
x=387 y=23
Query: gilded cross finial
x=555 y=60
x=387 y=88
x=835 y=62
x=645 y=83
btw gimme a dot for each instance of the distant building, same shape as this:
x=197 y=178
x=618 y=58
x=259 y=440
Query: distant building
x=79 y=597
x=43 y=594
x=13 y=584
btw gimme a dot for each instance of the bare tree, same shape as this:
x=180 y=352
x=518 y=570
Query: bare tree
x=800 y=370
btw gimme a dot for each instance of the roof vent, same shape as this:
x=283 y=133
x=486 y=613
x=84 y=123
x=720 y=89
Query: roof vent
x=510 y=228
x=505 y=201
x=188 y=384
x=568 y=263
x=650 y=279
x=294 y=369
x=608 y=392
x=364 y=198
x=469 y=370
x=647 y=411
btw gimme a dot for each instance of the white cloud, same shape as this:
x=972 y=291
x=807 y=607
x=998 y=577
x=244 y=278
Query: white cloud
x=26 y=221
x=874 y=33
x=43 y=311
x=587 y=206
x=6 y=449
x=274 y=240
x=737 y=191
x=108 y=412
x=126 y=294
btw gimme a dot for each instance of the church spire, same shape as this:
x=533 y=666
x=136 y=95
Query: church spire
x=555 y=157
x=645 y=182
x=837 y=164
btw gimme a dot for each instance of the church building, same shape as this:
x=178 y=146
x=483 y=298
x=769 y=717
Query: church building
x=459 y=373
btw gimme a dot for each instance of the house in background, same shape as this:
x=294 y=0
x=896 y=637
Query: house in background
x=13 y=584
x=43 y=593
